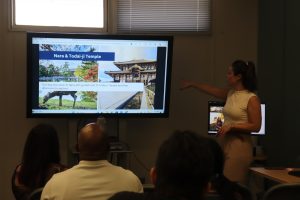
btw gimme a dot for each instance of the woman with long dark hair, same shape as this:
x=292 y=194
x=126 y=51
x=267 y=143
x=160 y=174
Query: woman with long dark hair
x=228 y=190
x=40 y=160
x=242 y=115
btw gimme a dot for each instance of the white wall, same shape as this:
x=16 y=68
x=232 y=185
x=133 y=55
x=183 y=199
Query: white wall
x=201 y=58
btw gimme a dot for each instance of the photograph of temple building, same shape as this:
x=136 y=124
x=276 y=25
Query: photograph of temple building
x=135 y=71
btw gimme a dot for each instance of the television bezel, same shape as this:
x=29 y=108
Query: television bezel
x=30 y=81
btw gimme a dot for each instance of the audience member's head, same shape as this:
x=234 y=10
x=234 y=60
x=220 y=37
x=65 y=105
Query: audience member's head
x=95 y=177
x=92 y=143
x=222 y=185
x=183 y=166
x=218 y=155
x=41 y=149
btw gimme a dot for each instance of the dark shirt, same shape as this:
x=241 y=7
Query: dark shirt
x=226 y=189
x=21 y=192
x=143 y=196
x=128 y=196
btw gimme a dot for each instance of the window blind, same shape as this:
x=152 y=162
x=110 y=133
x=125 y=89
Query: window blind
x=148 y=16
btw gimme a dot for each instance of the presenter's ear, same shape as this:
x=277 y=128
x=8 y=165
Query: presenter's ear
x=153 y=175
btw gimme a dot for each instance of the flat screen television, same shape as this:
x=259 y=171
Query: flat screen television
x=216 y=118
x=92 y=75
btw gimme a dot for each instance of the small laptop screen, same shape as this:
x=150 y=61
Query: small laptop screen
x=216 y=117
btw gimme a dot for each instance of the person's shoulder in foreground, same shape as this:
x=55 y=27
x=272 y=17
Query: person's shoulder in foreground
x=94 y=177
x=182 y=170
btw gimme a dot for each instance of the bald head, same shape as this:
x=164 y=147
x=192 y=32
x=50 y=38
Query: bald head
x=92 y=143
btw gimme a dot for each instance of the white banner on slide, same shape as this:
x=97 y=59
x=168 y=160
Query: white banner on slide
x=91 y=86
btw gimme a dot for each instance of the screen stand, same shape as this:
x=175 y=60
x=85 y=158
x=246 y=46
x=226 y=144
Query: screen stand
x=101 y=121
x=119 y=151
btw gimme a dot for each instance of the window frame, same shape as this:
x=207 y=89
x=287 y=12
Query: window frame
x=32 y=28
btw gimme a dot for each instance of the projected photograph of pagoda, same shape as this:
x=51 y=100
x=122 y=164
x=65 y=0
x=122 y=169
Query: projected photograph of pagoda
x=133 y=71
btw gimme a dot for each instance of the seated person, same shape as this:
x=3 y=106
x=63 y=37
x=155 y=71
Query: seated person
x=40 y=161
x=227 y=189
x=182 y=171
x=94 y=178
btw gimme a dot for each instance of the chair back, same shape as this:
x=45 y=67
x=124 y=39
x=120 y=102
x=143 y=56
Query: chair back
x=289 y=191
x=241 y=193
x=244 y=192
x=35 y=194
x=212 y=196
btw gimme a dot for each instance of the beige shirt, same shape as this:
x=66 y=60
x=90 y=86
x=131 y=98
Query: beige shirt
x=237 y=146
x=91 y=180
x=235 y=109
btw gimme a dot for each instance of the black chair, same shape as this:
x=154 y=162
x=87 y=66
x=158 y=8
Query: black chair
x=212 y=196
x=35 y=194
x=289 y=191
x=244 y=192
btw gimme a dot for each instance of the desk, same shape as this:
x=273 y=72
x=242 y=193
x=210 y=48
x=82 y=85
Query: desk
x=277 y=175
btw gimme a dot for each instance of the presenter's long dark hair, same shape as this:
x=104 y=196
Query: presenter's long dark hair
x=40 y=151
x=247 y=71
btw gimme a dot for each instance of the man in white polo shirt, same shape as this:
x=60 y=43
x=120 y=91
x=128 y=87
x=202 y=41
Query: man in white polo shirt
x=94 y=177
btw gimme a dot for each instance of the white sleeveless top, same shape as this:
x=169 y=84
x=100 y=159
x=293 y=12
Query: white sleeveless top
x=237 y=145
x=235 y=109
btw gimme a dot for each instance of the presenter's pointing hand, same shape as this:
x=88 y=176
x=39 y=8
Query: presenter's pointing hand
x=185 y=84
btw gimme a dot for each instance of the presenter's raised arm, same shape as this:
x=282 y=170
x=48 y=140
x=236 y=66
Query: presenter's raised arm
x=217 y=92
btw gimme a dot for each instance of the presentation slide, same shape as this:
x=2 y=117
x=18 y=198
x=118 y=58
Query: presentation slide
x=94 y=76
